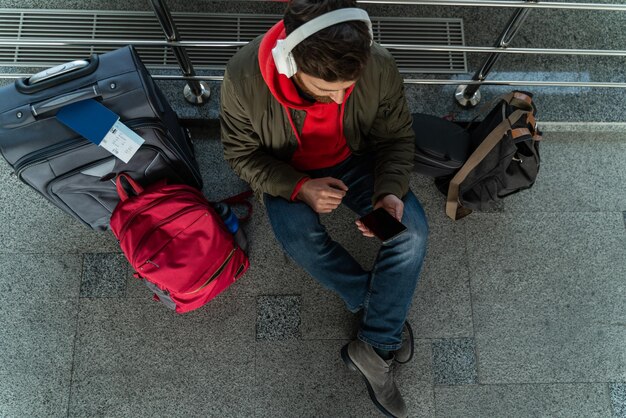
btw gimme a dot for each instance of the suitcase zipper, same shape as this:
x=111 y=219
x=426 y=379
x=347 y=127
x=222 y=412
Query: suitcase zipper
x=51 y=151
x=71 y=145
x=216 y=274
x=71 y=173
x=161 y=127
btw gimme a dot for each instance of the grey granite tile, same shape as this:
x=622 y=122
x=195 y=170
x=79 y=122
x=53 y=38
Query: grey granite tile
x=415 y=381
x=278 y=317
x=28 y=393
x=78 y=5
x=599 y=105
x=548 y=295
x=511 y=66
x=521 y=401
x=454 y=361
x=104 y=275
x=325 y=316
x=599 y=29
x=592 y=186
x=308 y=379
x=220 y=181
x=430 y=198
x=36 y=349
x=441 y=304
x=603 y=69
x=135 y=288
x=39 y=277
x=37 y=335
x=549 y=325
x=226 y=6
x=220 y=390
x=551 y=241
x=614 y=128
x=141 y=338
x=618 y=399
x=31 y=224
x=624 y=213
x=136 y=358
x=173 y=91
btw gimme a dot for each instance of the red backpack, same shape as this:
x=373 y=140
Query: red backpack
x=177 y=243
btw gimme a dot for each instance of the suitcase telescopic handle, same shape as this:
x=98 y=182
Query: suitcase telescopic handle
x=57 y=76
x=58 y=102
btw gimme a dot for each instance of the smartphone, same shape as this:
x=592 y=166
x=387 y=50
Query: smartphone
x=384 y=226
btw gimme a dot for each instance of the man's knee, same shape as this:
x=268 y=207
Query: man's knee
x=415 y=220
x=295 y=225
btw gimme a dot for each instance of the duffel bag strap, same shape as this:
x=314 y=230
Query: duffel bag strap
x=241 y=199
x=521 y=100
x=120 y=188
x=453 y=209
x=515 y=98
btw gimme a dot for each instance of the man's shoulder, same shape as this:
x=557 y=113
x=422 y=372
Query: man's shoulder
x=245 y=63
x=381 y=56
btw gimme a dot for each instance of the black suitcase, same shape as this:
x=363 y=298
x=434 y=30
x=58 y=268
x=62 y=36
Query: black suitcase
x=73 y=173
x=441 y=146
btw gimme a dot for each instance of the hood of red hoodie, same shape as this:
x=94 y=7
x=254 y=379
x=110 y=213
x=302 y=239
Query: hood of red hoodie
x=280 y=85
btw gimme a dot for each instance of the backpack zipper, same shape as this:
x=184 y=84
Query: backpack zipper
x=164 y=221
x=143 y=209
x=216 y=274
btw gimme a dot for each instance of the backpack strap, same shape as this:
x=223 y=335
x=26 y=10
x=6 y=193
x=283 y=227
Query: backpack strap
x=241 y=199
x=120 y=188
x=520 y=133
x=453 y=209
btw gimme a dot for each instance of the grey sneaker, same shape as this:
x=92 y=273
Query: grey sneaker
x=405 y=353
x=378 y=375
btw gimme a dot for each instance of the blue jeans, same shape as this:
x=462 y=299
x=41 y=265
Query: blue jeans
x=384 y=293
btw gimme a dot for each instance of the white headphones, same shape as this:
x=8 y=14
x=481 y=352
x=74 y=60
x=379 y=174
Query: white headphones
x=285 y=63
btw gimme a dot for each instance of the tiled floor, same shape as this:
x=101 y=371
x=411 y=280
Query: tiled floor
x=520 y=312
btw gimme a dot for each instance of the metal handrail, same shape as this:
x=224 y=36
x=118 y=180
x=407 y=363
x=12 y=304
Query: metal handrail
x=196 y=92
x=468 y=95
x=418 y=81
x=401 y=47
x=516 y=4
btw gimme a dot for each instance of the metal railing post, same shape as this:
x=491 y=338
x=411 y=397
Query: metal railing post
x=196 y=92
x=469 y=95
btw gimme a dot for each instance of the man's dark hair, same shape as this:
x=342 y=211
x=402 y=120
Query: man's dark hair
x=337 y=53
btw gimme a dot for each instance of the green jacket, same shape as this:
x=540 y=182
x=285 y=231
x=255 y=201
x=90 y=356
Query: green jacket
x=259 y=141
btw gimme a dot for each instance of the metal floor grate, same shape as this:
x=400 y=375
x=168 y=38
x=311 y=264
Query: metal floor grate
x=90 y=24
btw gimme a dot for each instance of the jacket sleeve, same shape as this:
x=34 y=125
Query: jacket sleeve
x=393 y=136
x=244 y=152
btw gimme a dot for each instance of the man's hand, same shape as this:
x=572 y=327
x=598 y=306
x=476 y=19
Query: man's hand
x=323 y=195
x=392 y=204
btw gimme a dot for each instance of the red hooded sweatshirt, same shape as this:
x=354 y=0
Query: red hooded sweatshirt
x=321 y=143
